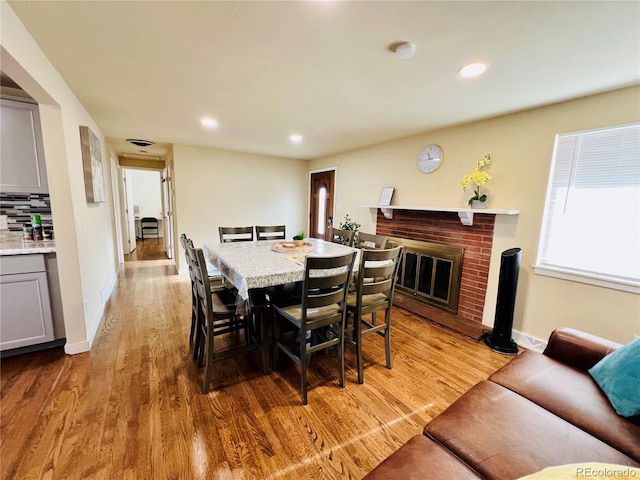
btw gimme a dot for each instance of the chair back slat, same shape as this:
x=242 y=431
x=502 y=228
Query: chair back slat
x=183 y=241
x=343 y=237
x=378 y=271
x=330 y=278
x=235 y=234
x=377 y=287
x=326 y=280
x=271 y=232
x=369 y=240
x=325 y=299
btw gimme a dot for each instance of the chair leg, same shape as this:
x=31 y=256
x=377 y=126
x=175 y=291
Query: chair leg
x=387 y=339
x=193 y=317
x=265 y=339
x=341 y=355
x=358 y=340
x=208 y=354
x=198 y=341
x=275 y=355
x=303 y=365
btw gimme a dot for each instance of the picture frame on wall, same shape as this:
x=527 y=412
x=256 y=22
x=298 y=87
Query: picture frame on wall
x=92 y=166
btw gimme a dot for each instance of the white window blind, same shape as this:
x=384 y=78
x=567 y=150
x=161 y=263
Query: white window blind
x=591 y=224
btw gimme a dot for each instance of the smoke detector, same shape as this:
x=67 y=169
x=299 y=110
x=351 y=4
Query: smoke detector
x=140 y=143
x=405 y=50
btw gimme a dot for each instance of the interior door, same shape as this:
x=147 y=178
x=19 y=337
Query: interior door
x=168 y=212
x=321 y=204
x=131 y=221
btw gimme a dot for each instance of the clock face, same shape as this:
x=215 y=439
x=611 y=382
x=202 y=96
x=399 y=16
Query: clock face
x=430 y=158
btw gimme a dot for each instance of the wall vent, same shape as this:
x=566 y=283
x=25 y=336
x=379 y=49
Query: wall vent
x=140 y=143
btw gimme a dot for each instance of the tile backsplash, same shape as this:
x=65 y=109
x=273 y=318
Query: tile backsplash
x=18 y=207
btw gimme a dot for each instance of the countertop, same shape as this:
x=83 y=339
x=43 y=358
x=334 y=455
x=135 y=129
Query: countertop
x=12 y=244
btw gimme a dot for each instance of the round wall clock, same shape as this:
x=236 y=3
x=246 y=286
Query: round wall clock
x=430 y=158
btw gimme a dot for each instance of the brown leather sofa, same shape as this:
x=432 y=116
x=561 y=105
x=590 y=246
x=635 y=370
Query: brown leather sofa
x=537 y=411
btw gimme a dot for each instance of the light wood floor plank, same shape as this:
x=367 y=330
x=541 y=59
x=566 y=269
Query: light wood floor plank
x=132 y=408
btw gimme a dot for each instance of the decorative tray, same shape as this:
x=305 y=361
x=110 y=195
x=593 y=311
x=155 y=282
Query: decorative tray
x=290 y=247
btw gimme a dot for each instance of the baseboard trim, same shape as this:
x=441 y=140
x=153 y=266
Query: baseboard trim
x=75 y=348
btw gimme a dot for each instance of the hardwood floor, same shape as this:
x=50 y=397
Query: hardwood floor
x=149 y=249
x=132 y=408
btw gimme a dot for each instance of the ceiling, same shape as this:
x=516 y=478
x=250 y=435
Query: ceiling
x=325 y=69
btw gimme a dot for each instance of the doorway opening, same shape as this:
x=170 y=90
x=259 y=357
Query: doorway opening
x=143 y=201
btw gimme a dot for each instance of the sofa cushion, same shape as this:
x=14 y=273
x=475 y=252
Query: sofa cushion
x=618 y=375
x=572 y=395
x=421 y=458
x=505 y=436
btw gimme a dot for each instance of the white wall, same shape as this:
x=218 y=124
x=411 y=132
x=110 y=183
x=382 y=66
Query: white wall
x=85 y=238
x=221 y=188
x=147 y=193
x=521 y=146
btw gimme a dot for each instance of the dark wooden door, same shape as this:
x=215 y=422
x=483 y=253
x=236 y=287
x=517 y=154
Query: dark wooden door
x=321 y=204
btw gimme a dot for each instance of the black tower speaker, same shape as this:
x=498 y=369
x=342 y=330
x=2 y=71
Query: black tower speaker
x=500 y=339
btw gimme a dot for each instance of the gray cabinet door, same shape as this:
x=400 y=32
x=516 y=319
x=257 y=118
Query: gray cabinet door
x=22 y=167
x=25 y=310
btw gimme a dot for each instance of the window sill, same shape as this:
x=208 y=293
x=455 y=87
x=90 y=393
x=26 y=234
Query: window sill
x=593 y=279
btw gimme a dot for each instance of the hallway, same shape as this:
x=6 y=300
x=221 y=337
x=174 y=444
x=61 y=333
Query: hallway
x=132 y=407
x=149 y=249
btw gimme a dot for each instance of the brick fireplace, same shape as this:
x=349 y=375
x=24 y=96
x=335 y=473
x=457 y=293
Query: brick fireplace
x=445 y=228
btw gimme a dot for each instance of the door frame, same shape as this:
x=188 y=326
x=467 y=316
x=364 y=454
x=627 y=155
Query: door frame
x=132 y=234
x=167 y=211
x=335 y=189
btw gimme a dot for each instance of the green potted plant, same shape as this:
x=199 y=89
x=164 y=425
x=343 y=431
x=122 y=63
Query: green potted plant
x=298 y=240
x=349 y=224
x=473 y=181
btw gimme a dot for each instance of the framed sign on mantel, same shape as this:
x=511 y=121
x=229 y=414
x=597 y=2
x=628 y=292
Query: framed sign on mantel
x=386 y=195
x=92 y=166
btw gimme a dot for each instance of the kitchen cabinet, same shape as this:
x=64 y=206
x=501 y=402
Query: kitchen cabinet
x=25 y=309
x=22 y=166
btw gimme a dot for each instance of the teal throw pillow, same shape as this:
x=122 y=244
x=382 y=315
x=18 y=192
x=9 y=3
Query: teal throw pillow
x=618 y=375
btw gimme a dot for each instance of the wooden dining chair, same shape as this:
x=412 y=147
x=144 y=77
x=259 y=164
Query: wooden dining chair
x=370 y=240
x=271 y=232
x=215 y=280
x=149 y=224
x=375 y=284
x=235 y=234
x=321 y=313
x=343 y=237
x=218 y=317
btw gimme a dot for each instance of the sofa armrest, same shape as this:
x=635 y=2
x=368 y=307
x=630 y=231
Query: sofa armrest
x=578 y=349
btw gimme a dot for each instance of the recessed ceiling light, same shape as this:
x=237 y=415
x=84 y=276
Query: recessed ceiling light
x=209 y=122
x=472 y=70
x=296 y=138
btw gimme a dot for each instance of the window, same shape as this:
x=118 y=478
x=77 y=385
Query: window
x=591 y=225
x=322 y=207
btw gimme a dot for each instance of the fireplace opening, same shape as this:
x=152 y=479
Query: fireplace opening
x=430 y=273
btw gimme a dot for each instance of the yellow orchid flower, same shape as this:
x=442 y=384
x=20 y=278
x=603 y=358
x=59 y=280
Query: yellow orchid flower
x=479 y=177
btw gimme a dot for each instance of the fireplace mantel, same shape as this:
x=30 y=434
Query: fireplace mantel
x=465 y=214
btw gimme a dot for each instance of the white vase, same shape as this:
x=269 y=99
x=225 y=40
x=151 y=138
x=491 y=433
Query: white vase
x=478 y=204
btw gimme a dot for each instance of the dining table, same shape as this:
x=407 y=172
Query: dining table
x=256 y=265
